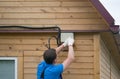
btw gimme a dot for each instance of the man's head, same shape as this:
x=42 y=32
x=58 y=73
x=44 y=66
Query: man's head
x=50 y=56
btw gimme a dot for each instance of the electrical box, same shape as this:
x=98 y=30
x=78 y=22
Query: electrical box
x=64 y=36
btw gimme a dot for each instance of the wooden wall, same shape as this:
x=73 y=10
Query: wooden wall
x=28 y=48
x=109 y=69
x=77 y=14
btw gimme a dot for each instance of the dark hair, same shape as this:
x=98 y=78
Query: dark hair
x=49 y=56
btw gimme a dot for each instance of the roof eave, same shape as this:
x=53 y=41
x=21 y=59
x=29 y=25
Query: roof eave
x=106 y=15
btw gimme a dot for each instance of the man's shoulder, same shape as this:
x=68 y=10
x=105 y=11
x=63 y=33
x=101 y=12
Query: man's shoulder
x=58 y=67
x=42 y=64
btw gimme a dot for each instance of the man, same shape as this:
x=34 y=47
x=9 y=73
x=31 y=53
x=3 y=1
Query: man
x=47 y=69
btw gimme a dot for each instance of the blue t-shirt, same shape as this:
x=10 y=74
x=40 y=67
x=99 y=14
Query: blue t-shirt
x=51 y=71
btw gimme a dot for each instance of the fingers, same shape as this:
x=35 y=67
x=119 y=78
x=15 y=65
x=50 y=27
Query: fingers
x=65 y=43
x=69 y=41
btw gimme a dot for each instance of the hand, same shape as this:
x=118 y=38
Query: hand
x=66 y=42
x=70 y=41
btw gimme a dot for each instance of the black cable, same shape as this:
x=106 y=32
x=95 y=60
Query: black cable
x=39 y=28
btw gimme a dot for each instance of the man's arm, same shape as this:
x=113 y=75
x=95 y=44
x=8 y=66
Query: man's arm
x=58 y=49
x=70 y=58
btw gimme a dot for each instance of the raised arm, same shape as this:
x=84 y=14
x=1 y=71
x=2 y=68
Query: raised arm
x=58 y=49
x=70 y=58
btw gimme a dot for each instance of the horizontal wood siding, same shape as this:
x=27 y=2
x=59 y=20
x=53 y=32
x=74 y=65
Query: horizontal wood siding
x=109 y=69
x=79 y=14
x=30 y=47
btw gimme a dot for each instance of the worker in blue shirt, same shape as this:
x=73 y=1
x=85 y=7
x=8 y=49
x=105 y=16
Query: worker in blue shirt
x=47 y=69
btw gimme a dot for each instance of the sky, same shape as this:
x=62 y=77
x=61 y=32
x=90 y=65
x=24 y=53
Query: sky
x=113 y=7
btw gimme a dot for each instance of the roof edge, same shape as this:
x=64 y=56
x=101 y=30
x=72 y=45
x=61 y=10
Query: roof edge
x=106 y=15
x=98 y=5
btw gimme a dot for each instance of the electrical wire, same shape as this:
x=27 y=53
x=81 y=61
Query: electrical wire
x=48 y=45
x=56 y=28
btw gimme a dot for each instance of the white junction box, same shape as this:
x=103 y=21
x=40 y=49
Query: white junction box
x=64 y=36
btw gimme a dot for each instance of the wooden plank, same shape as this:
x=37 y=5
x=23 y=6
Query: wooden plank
x=83 y=42
x=81 y=71
x=73 y=65
x=84 y=53
x=51 y=21
x=47 y=9
x=30 y=65
x=63 y=53
x=78 y=53
x=10 y=0
x=5 y=47
x=50 y=15
x=43 y=4
x=82 y=27
x=87 y=48
x=40 y=41
x=11 y=53
x=81 y=65
x=0 y=15
x=32 y=59
x=29 y=4
x=20 y=68
x=25 y=47
x=96 y=56
x=77 y=59
x=68 y=71
x=26 y=41
x=29 y=15
x=84 y=59
x=73 y=4
x=10 y=41
x=77 y=27
x=84 y=36
x=77 y=76
x=30 y=76
x=33 y=53
x=30 y=71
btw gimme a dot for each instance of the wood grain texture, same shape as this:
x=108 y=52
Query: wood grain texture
x=77 y=14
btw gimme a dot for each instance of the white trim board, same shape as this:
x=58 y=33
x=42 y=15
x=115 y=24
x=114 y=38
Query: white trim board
x=11 y=58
